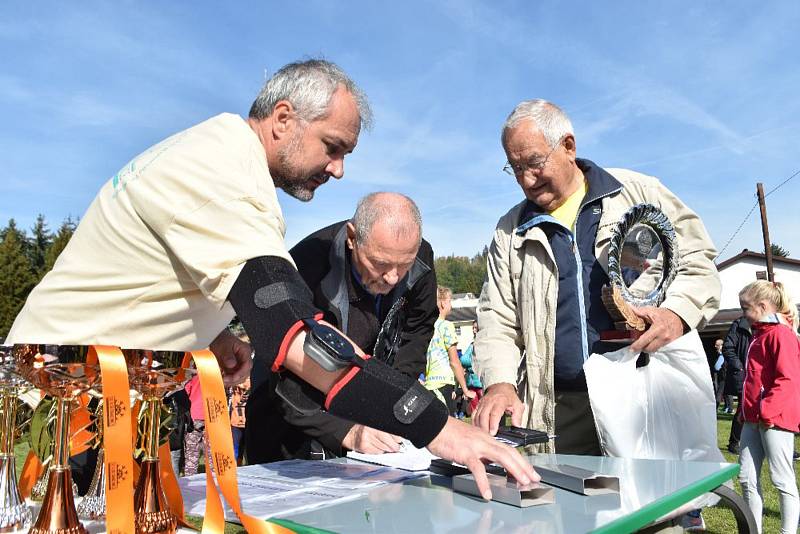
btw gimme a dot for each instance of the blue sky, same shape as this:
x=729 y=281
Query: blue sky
x=702 y=95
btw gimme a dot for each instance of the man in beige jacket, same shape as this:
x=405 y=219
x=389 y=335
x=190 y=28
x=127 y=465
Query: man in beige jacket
x=541 y=310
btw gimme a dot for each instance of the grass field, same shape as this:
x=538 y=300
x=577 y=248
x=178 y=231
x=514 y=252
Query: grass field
x=718 y=520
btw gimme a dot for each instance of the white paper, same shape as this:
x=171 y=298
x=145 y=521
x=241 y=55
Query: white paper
x=408 y=458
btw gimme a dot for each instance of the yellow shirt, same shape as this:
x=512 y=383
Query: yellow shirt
x=567 y=213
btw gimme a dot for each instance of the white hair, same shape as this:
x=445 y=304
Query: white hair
x=546 y=116
x=308 y=86
x=394 y=209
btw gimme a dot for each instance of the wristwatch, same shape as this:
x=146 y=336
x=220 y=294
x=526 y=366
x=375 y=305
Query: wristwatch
x=328 y=347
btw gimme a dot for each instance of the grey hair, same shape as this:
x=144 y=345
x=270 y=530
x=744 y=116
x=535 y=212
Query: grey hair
x=309 y=85
x=395 y=209
x=548 y=118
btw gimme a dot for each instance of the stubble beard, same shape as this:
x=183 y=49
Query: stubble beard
x=289 y=176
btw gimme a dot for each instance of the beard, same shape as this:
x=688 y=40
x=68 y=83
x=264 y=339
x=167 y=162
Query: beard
x=290 y=176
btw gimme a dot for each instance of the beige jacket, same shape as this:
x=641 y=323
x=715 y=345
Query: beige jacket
x=517 y=307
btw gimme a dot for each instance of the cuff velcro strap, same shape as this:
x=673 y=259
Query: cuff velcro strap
x=377 y=396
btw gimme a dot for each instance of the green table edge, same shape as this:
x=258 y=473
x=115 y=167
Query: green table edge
x=298 y=527
x=660 y=507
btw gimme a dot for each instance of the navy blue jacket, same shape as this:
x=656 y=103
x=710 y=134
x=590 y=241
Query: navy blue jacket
x=580 y=314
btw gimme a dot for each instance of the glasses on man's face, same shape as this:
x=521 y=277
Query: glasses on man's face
x=535 y=164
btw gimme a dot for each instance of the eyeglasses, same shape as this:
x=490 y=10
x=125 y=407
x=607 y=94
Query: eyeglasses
x=534 y=165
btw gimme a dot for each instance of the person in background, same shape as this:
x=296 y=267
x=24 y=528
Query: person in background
x=196 y=440
x=716 y=364
x=236 y=405
x=180 y=405
x=444 y=368
x=734 y=348
x=472 y=379
x=769 y=410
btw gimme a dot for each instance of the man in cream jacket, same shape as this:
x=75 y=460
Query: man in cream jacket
x=541 y=310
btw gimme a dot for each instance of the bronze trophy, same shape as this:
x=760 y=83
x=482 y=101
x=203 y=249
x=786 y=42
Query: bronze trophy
x=64 y=380
x=14 y=513
x=153 y=374
x=643 y=260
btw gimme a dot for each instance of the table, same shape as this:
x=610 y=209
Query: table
x=650 y=489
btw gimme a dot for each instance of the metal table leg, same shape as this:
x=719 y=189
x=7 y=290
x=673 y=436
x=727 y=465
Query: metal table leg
x=744 y=517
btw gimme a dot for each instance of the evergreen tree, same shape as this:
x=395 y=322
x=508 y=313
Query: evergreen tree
x=40 y=241
x=59 y=243
x=778 y=250
x=14 y=229
x=16 y=279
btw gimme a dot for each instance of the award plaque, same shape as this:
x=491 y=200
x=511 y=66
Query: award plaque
x=643 y=260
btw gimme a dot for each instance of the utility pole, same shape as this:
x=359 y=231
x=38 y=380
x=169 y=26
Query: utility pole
x=765 y=230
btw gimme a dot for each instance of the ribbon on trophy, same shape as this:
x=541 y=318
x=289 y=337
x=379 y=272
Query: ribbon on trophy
x=223 y=462
x=117 y=437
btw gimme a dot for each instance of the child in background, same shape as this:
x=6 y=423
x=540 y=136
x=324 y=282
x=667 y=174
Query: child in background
x=770 y=410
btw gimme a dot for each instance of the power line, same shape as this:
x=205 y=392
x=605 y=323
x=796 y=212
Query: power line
x=749 y=213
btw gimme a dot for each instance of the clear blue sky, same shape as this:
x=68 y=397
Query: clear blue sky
x=703 y=95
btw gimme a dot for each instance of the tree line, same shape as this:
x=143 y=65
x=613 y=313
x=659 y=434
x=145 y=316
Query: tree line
x=24 y=259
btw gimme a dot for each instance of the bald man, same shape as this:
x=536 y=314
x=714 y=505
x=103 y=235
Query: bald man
x=373 y=278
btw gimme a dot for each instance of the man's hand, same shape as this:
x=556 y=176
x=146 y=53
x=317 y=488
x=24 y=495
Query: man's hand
x=665 y=326
x=472 y=447
x=234 y=357
x=367 y=440
x=469 y=394
x=499 y=400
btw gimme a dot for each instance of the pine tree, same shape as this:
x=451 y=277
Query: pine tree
x=40 y=241
x=16 y=279
x=59 y=243
x=778 y=250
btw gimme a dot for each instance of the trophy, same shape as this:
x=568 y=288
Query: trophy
x=14 y=513
x=643 y=260
x=153 y=374
x=93 y=504
x=64 y=380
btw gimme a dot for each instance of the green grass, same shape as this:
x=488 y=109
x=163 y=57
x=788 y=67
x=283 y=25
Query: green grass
x=720 y=520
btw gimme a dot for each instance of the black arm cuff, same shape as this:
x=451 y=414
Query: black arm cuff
x=376 y=395
x=270 y=297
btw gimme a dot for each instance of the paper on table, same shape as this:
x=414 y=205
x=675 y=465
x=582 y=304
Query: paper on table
x=291 y=486
x=408 y=458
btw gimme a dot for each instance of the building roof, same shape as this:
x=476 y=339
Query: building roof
x=757 y=256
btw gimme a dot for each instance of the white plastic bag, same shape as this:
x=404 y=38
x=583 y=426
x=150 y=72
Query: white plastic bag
x=664 y=410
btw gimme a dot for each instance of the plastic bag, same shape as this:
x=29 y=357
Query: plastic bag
x=664 y=410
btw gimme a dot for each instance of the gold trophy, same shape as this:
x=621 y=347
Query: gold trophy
x=153 y=374
x=14 y=513
x=65 y=380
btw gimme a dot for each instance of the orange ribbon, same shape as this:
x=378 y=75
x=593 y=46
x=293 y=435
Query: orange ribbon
x=117 y=438
x=31 y=472
x=218 y=426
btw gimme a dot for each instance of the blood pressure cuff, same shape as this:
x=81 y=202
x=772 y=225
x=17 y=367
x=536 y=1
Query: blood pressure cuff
x=271 y=299
x=376 y=395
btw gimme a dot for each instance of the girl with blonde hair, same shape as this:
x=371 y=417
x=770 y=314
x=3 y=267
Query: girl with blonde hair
x=770 y=409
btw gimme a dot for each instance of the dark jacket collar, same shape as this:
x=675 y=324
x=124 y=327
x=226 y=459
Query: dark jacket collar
x=335 y=286
x=601 y=184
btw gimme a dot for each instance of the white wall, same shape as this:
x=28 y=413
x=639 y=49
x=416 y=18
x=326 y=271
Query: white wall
x=738 y=275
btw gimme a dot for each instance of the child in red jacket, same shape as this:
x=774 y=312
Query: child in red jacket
x=770 y=409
